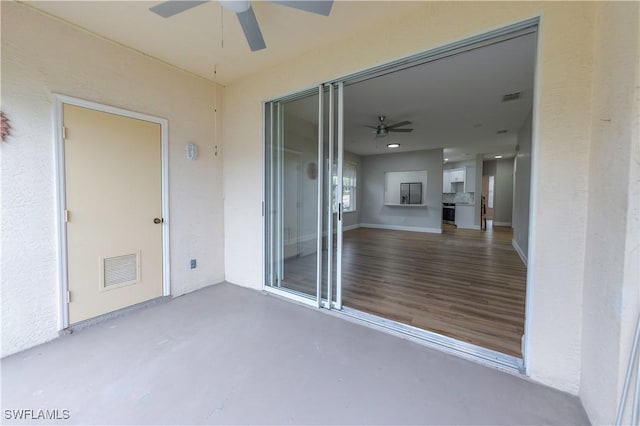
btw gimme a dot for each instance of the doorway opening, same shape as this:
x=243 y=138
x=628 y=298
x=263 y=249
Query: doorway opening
x=399 y=170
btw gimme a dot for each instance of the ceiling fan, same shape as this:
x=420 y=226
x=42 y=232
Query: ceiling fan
x=383 y=129
x=244 y=12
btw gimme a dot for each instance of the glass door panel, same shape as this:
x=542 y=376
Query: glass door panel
x=304 y=196
x=291 y=195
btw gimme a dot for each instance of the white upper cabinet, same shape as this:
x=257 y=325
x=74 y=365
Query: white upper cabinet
x=452 y=176
x=470 y=179
x=457 y=175
x=446 y=182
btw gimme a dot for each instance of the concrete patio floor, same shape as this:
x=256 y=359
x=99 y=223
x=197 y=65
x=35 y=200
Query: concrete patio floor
x=229 y=355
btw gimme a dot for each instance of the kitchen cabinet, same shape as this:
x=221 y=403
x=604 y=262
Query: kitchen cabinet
x=457 y=175
x=446 y=182
x=452 y=176
x=470 y=179
x=465 y=216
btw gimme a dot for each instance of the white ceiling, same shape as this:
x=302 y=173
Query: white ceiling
x=453 y=103
x=445 y=100
x=192 y=40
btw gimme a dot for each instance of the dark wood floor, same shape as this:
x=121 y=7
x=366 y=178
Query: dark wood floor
x=466 y=284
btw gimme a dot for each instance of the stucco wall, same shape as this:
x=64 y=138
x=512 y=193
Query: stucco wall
x=562 y=132
x=42 y=56
x=612 y=277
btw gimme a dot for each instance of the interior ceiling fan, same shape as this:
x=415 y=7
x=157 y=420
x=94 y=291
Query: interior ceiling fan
x=244 y=12
x=383 y=129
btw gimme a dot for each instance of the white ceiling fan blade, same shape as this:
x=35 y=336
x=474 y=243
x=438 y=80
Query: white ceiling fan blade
x=320 y=7
x=251 y=29
x=173 y=7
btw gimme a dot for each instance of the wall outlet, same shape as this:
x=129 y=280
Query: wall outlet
x=193 y=264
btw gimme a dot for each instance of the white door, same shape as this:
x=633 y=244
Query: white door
x=113 y=175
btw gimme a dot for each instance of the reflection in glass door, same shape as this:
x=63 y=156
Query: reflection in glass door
x=303 y=214
x=292 y=195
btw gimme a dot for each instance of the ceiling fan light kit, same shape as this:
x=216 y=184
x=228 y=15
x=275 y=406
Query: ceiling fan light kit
x=245 y=14
x=382 y=129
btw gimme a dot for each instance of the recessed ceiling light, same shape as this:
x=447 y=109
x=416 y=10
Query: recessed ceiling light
x=446 y=159
x=393 y=145
x=498 y=156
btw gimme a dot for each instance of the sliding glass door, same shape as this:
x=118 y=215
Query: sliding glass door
x=302 y=211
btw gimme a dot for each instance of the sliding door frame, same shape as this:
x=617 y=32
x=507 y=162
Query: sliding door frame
x=531 y=25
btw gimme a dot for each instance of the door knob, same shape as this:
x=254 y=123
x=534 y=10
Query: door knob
x=157 y=220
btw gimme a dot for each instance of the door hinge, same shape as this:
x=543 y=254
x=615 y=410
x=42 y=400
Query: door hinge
x=263 y=209
x=66 y=215
x=68 y=296
x=64 y=133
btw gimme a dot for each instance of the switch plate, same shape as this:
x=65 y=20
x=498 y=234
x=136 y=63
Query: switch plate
x=193 y=264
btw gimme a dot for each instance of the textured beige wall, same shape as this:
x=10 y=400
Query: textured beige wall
x=612 y=277
x=41 y=56
x=562 y=145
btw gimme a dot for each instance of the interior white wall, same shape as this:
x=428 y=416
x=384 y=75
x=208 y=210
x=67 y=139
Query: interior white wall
x=522 y=188
x=352 y=219
x=42 y=56
x=478 y=190
x=374 y=212
x=612 y=276
x=502 y=170
x=458 y=165
x=504 y=192
x=561 y=132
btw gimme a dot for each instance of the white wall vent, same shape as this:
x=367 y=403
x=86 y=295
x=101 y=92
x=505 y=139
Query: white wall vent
x=119 y=271
x=511 y=96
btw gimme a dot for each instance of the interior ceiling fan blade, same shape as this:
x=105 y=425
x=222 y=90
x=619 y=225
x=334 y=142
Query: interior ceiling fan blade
x=320 y=7
x=399 y=130
x=251 y=29
x=173 y=7
x=400 y=124
x=371 y=127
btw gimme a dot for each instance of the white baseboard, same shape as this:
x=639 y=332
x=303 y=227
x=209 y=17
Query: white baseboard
x=520 y=252
x=474 y=227
x=501 y=223
x=402 y=228
x=350 y=227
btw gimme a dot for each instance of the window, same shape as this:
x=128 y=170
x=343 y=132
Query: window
x=491 y=192
x=349 y=187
